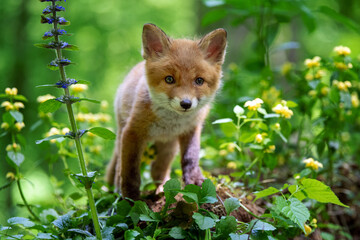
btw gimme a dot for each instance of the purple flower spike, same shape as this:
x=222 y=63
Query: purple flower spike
x=48 y=34
x=64 y=45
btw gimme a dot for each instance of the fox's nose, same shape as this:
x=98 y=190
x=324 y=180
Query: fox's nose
x=185 y=104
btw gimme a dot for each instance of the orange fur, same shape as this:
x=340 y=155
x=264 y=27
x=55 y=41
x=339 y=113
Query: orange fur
x=150 y=109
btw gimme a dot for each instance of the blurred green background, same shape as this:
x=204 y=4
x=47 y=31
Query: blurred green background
x=109 y=37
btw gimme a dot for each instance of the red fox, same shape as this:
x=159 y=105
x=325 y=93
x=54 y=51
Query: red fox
x=165 y=100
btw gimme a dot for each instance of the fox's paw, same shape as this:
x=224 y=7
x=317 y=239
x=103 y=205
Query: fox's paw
x=193 y=177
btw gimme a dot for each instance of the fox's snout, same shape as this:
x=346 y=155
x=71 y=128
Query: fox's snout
x=185 y=103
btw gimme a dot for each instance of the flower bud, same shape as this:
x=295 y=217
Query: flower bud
x=10 y=175
x=259 y=138
x=19 y=126
x=9 y=148
x=18 y=105
x=5 y=126
x=8 y=105
x=223 y=152
x=231 y=165
x=78 y=88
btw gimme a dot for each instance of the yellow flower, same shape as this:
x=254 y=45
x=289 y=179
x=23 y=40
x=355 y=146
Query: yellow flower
x=319 y=74
x=341 y=66
x=11 y=91
x=19 y=126
x=9 y=147
x=80 y=117
x=259 y=138
x=315 y=62
x=270 y=149
x=313 y=221
x=311 y=163
x=342 y=86
x=223 y=152
x=342 y=50
x=10 y=175
x=16 y=147
x=103 y=117
x=5 y=126
x=254 y=104
x=277 y=126
x=96 y=149
x=44 y=98
x=307 y=230
x=104 y=105
x=309 y=76
x=347 y=84
x=324 y=90
x=8 y=106
x=53 y=131
x=286 y=68
x=231 y=147
x=312 y=93
x=92 y=118
x=78 y=88
x=283 y=110
x=355 y=100
x=18 y=105
x=65 y=130
x=231 y=165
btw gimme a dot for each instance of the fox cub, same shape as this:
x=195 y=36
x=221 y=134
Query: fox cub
x=165 y=100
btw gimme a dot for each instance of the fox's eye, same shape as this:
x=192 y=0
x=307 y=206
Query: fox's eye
x=199 y=81
x=169 y=80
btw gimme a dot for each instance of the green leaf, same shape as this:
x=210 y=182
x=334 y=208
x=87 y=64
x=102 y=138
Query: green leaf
x=47 y=85
x=203 y=222
x=332 y=14
x=266 y=192
x=16 y=157
x=123 y=208
x=171 y=189
x=190 y=196
x=17 y=116
x=213 y=16
x=271 y=115
x=293 y=189
x=225 y=226
x=280 y=203
x=44 y=236
x=48 y=215
x=307 y=18
x=21 y=221
x=131 y=234
x=64 y=222
x=231 y=204
x=56 y=136
x=80 y=231
x=106 y=233
x=89 y=100
x=207 y=192
x=139 y=208
x=177 y=233
x=271 y=32
x=320 y=192
x=50 y=105
x=223 y=120
x=262 y=226
x=103 y=133
x=297 y=212
x=88 y=180
x=235 y=236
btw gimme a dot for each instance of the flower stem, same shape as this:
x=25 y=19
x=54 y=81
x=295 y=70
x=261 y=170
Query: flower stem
x=74 y=129
x=251 y=165
x=24 y=200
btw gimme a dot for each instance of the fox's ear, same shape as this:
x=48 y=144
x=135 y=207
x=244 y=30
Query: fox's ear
x=213 y=45
x=155 y=41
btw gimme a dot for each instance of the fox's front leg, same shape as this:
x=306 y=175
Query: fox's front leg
x=132 y=146
x=190 y=149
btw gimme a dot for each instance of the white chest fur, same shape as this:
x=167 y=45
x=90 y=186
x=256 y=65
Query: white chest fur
x=170 y=125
